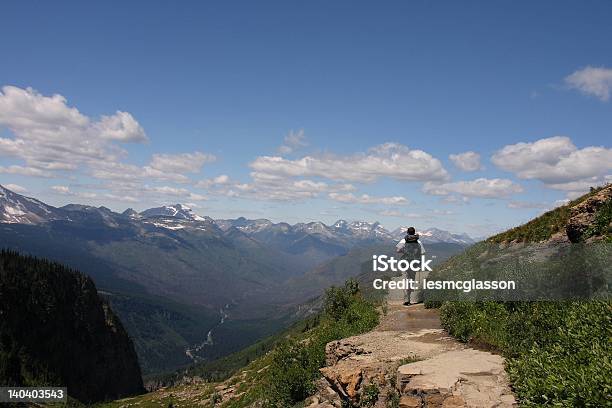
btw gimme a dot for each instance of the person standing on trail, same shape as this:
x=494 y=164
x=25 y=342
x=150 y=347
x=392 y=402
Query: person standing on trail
x=411 y=248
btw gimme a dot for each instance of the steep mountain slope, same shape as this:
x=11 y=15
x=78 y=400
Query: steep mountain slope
x=15 y=208
x=586 y=216
x=56 y=330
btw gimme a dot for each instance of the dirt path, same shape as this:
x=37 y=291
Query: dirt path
x=410 y=358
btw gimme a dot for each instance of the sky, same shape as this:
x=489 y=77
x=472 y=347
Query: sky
x=467 y=116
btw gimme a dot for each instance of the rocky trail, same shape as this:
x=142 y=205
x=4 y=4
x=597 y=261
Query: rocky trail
x=410 y=361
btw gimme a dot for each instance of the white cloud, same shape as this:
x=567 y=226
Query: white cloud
x=180 y=163
x=388 y=160
x=121 y=127
x=61 y=189
x=592 y=81
x=527 y=205
x=454 y=199
x=49 y=134
x=50 y=137
x=557 y=162
x=25 y=171
x=16 y=188
x=65 y=190
x=395 y=213
x=468 y=161
x=367 y=199
x=293 y=141
x=268 y=187
x=170 y=191
x=481 y=187
x=125 y=198
x=222 y=179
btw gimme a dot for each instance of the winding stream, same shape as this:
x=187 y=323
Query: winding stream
x=192 y=351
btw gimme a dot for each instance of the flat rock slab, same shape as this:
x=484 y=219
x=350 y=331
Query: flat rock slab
x=473 y=378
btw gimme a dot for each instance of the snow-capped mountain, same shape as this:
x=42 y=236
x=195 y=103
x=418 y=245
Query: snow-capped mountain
x=131 y=213
x=335 y=238
x=435 y=235
x=244 y=225
x=174 y=217
x=174 y=211
x=18 y=209
x=340 y=231
x=363 y=229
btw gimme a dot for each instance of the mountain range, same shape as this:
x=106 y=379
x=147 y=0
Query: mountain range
x=172 y=276
x=16 y=208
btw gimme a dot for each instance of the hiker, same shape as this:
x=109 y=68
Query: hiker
x=411 y=248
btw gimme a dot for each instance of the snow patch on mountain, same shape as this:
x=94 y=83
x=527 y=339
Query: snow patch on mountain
x=18 y=209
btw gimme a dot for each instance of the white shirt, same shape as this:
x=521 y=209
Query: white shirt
x=400 y=246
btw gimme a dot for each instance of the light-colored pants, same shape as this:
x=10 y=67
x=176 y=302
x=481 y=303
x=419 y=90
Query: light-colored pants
x=416 y=295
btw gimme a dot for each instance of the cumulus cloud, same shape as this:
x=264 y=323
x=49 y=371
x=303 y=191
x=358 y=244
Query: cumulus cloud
x=468 y=161
x=594 y=81
x=481 y=187
x=271 y=188
x=121 y=127
x=16 y=188
x=180 y=163
x=49 y=134
x=65 y=190
x=222 y=179
x=25 y=171
x=388 y=160
x=293 y=141
x=396 y=213
x=170 y=191
x=367 y=199
x=557 y=162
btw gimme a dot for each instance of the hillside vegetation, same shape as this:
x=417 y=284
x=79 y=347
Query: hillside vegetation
x=56 y=330
x=558 y=353
x=283 y=376
x=556 y=220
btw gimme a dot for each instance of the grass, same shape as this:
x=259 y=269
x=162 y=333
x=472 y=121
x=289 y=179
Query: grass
x=294 y=365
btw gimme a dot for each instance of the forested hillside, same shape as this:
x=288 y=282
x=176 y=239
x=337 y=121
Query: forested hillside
x=56 y=330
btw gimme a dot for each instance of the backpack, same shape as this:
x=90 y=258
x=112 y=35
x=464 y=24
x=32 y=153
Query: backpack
x=411 y=250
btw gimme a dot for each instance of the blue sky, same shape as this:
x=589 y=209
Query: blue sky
x=207 y=93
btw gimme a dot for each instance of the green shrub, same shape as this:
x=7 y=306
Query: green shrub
x=295 y=363
x=337 y=300
x=557 y=353
x=369 y=396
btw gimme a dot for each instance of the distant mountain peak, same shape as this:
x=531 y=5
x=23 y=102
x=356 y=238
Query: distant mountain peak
x=179 y=211
x=341 y=224
x=130 y=212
